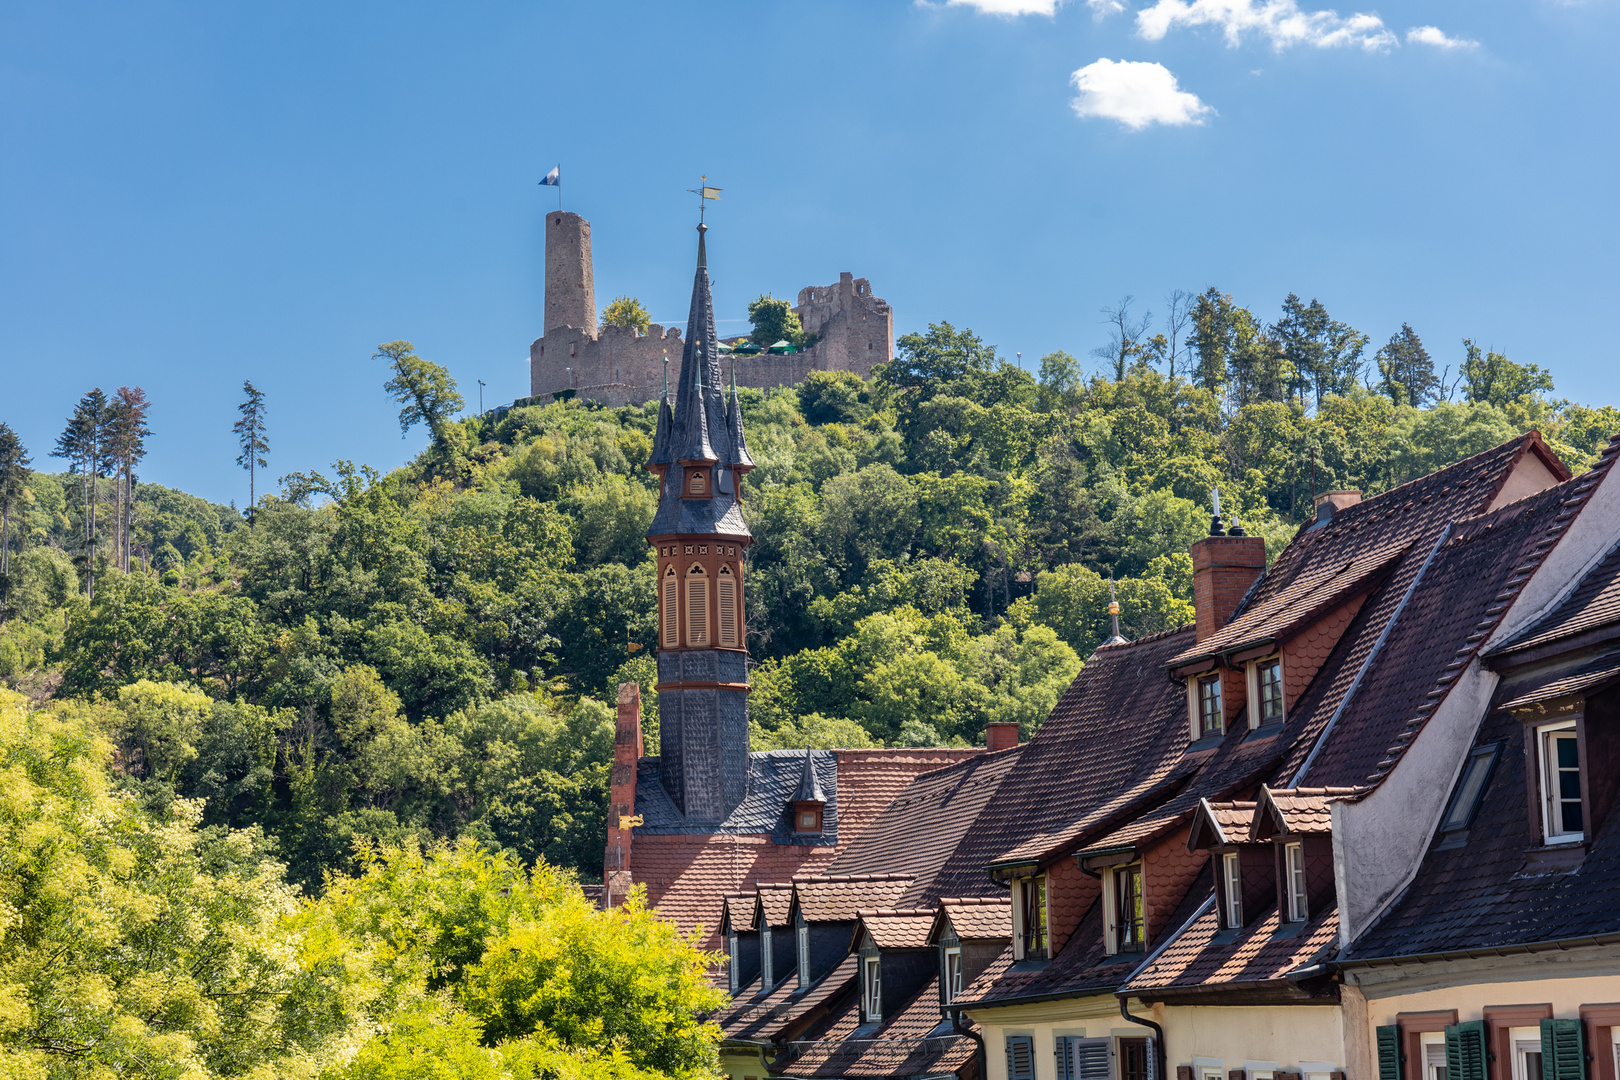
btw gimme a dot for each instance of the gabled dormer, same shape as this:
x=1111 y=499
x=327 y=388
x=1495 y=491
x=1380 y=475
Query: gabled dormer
x=1298 y=823
x=809 y=801
x=896 y=959
x=738 y=931
x=968 y=934
x=1245 y=870
x=823 y=911
x=773 y=919
x=1246 y=674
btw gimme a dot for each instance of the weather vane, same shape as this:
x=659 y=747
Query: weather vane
x=704 y=194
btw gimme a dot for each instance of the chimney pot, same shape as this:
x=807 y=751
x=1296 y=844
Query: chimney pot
x=1000 y=736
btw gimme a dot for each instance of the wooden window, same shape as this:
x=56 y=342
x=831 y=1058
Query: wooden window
x=672 y=622
x=1232 y=890
x=872 y=988
x=1265 y=691
x=1560 y=754
x=953 y=974
x=1136 y=1059
x=1091 y=1059
x=1563 y=1049
x=1210 y=720
x=726 y=601
x=1020 y=1057
x=1434 y=1055
x=1294 y=868
x=803 y=942
x=1128 y=922
x=1032 y=917
x=697 y=606
x=807 y=819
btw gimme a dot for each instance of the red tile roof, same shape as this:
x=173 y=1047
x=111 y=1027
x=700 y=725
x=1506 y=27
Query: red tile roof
x=916 y=1041
x=755 y=1016
x=838 y=898
x=906 y=928
x=976 y=918
x=1315 y=591
x=1296 y=811
x=775 y=904
x=739 y=911
x=1220 y=823
x=1197 y=958
x=686 y=875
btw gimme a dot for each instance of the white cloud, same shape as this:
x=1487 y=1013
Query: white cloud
x=1135 y=93
x=1433 y=35
x=1006 y=7
x=1104 y=8
x=1281 y=22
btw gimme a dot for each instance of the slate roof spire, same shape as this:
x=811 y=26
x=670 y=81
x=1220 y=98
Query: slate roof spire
x=809 y=789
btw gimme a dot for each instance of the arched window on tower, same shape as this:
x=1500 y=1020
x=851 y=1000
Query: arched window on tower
x=697 y=605
x=672 y=619
x=726 y=601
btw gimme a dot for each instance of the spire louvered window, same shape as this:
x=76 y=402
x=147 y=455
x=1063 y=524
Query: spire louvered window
x=726 y=601
x=672 y=621
x=697 y=606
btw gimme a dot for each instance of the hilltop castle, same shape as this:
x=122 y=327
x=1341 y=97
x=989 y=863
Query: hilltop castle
x=617 y=365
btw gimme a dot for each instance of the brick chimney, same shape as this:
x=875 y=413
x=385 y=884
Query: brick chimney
x=616 y=878
x=999 y=736
x=1223 y=569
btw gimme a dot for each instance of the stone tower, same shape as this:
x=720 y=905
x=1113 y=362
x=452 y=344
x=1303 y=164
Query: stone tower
x=570 y=281
x=700 y=457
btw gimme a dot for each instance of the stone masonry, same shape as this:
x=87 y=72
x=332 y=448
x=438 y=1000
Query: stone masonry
x=618 y=366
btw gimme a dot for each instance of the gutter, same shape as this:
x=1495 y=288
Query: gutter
x=1560 y=945
x=1124 y=994
x=1159 y=1051
x=981 y=1055
x=1372 y=655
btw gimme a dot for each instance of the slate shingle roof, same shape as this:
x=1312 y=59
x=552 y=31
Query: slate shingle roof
x=1602 y=670
x=840 y=897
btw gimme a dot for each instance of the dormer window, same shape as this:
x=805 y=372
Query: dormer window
x=1207 y=717
x=1231 y=890
x=950 y=979
x=802 y=940
x=807 y=820
x=734 y=954
x=1126 y=917
x=871 y=988
x=1294 y=880
x=1031 y=911
x=767 y=977
x=1560 y=754
x=1265 y=692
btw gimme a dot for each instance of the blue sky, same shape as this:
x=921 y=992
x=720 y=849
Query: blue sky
x=194 y=194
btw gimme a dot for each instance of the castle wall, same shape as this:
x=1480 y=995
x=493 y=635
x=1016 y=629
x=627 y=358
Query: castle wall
x=618 y=366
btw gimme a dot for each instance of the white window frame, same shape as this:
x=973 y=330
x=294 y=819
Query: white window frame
x=1195 y=712
x=1429 y=1041
x=1550 y=801
x=1209 y=1068
x=1524 y=1041
x=1111 y=938
x=1232 y=886
x=1294 y=884
x=872 y=988
x=732 y=949
x=1252 y=673
x=766 y=972
x=953 y=974
x=801 y=936
x=1259 y=1070
x=1019 y=885
x=1317 y=1070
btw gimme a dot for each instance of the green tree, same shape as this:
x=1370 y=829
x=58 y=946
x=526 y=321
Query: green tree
x=424 y=389
x=250 y=436
x=773 y=320
x=1405 y=369
x=941 y=355
x=1494 y=379
x=626 y=311
x=1061 y=380
x=13 y=485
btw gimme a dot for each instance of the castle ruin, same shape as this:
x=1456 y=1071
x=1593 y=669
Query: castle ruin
x=618 y=365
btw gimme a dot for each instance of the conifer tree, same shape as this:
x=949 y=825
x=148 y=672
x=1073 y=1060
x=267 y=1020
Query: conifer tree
x=250 y=434
x=13 y=480
x=126 y=444
x=83 y=444
x=1405 y=369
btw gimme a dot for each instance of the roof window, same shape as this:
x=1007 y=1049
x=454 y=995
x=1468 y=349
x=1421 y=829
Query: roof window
x=1265 y=692
x=1476 y=773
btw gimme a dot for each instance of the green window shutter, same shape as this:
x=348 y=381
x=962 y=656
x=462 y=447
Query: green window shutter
x=1389 y=1052
x=1563 y=1050
x=1465 y=1051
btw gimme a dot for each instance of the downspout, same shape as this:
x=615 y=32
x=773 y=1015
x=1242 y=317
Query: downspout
x=980 y=1055
x=1159 y=1052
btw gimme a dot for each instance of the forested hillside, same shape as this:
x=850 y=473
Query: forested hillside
x=427 y=653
